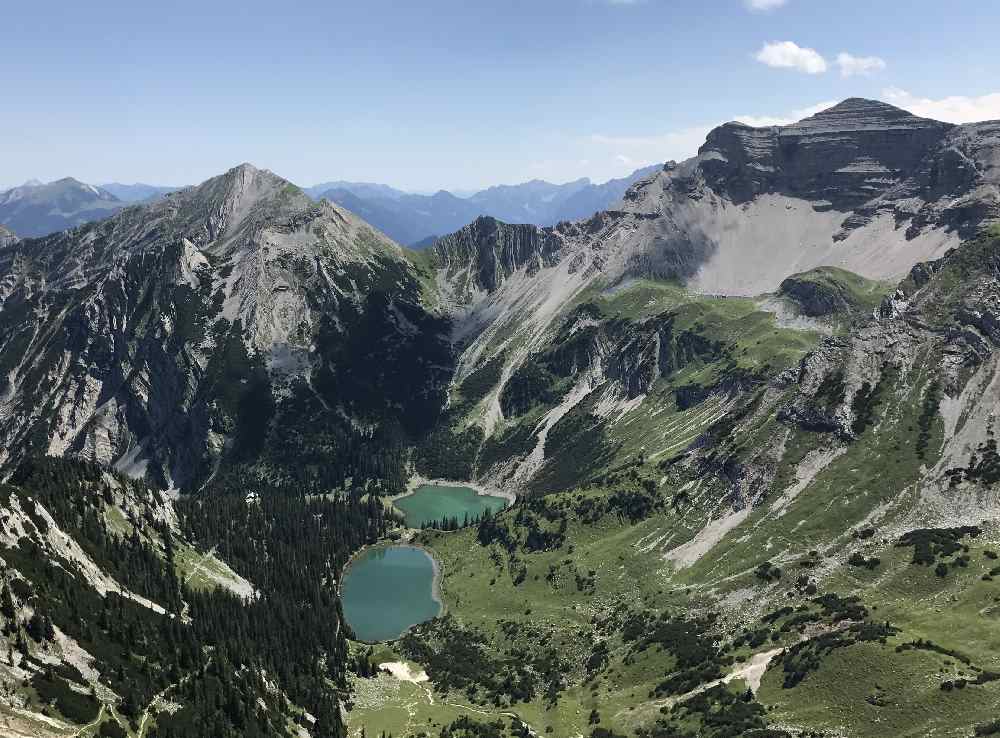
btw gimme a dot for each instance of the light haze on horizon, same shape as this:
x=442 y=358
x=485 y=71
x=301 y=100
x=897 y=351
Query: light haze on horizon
x=455 y=95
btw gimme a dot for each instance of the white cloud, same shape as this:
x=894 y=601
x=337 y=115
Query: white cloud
x=851 y=65
x=629 y=152
x=762 y=6
x=760 y=121
x=626 y=150
x=954 y=109
x=789 y=55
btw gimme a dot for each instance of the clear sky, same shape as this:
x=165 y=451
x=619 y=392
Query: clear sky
x=454 y=93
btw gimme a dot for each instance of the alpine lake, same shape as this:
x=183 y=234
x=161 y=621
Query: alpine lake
x=387 y=589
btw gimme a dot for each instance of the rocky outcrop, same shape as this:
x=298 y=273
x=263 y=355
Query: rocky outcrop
x=827 y=291
x=815 y=298
x=941 y=322
x=7 y=237
x=489 y=251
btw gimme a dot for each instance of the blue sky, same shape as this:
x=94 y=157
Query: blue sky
x=454 y=93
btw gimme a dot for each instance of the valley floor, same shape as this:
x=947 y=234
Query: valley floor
x=566 y=611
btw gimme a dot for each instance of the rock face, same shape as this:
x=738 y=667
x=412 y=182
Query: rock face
x=845 y=155
x=37 y=209
x=863 y=186
x=171 y=337
x=862 y=157
x=7 y=237
x=489 y=251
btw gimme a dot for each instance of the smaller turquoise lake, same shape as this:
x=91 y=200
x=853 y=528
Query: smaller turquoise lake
x=431 y=502
x=388 y=589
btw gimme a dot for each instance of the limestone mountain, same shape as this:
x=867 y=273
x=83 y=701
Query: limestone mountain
x=736 y=522
x=37 y=209
x=862 y=187
x=171 y=336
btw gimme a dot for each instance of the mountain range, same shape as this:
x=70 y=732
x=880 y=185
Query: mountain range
x=137 y=192
x=747 y=410
x=416 y=220
x=37 y=209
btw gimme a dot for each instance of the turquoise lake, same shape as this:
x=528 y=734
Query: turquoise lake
x=431 y=502
x=388 y=589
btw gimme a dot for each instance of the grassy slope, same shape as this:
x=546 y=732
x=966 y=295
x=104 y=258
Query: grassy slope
x=866 y=689
x=861 y=294
x=756 y=344
x=911 y=597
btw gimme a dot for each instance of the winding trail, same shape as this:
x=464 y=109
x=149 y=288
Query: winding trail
x=93 y=724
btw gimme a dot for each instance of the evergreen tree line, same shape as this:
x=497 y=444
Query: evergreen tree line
x=231 y=662
x=449 y=523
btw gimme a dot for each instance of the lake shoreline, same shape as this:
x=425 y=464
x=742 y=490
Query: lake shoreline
x=483 y=490
x=437 y=578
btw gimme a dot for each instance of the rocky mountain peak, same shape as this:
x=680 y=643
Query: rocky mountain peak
x=855 y=157
x=244 y=185
x=228 y=200
x=859 y=114
x=206 y=296
x=862 y=185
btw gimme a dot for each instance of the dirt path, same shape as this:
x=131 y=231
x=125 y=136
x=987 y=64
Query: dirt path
x=198 y=567
x=94 y=724
x=418 y=677
x=488 y=713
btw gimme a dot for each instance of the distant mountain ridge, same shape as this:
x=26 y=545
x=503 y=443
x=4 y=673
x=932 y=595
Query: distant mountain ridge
x=137 y=192
x=361 y=189
x=35 y=209
x=415 y=220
